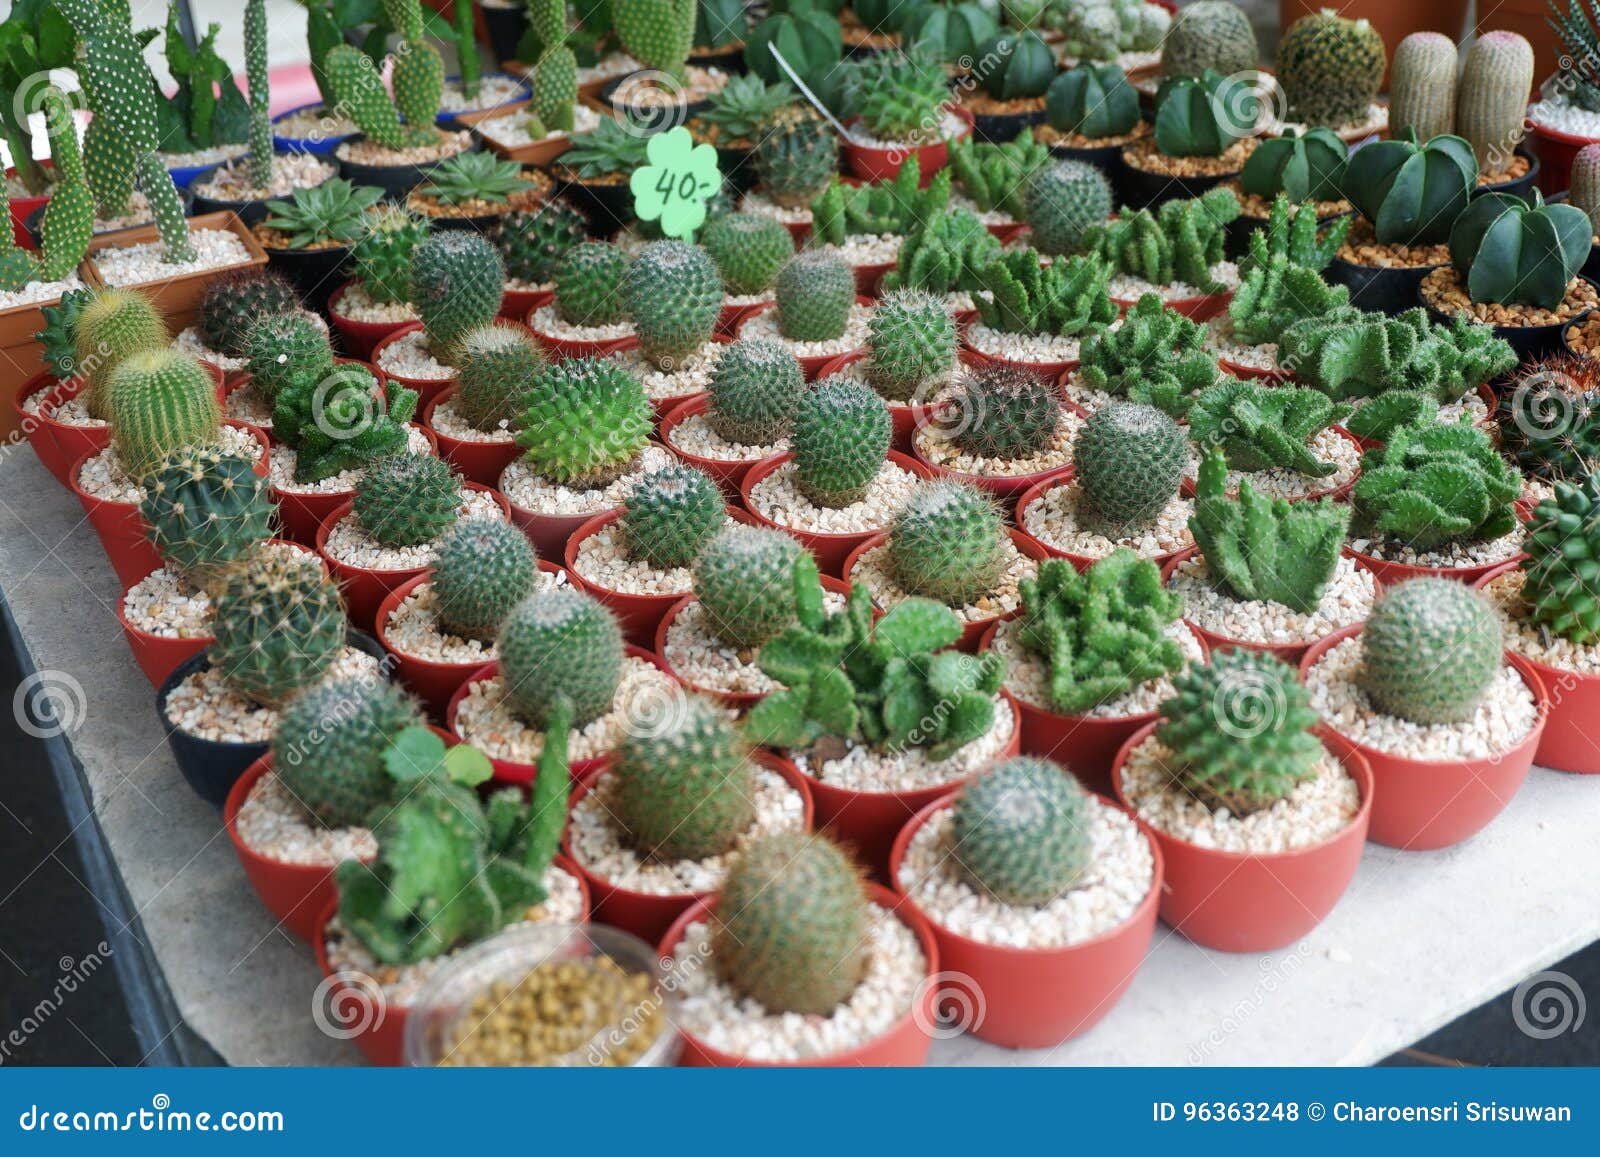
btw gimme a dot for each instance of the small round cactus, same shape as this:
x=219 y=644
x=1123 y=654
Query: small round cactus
x=1063 y=202
x=407 y=499
x=755 y=389
x=483 y=569
x=161 y=401
x=279 y=626
x=790 y=929
x=948 y=543
x=235 y=302
x=911 y=339
x=1209 y=34
x=492 y=373
x=1130 y=460
x=841 y=436
x=329 y=747
x=1005 y=412
x=457 y=280
x=688 y=791
x=1493 y=97
x=744 y=579
x=559 y=644
x=1429 y=651
x=284 y=348
x=1562 y=583
x=207 y=511
x=749 y=249
x=1331 y=67
x=382 y=255
x=114 y=324
x=670 y=514
x=589 y=285
x=1422 y=86
x=532 y=243
x=815 y=291
x=673 y=293
x=586 y=421
x=1022 y=831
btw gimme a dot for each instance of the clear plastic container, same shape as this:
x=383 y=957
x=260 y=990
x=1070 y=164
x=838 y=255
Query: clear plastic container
x=514 y=954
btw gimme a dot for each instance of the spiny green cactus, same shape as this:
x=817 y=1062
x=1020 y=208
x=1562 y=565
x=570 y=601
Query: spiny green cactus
x=1239 y=729
x=1064 y=204
x=996 y=176
x=493 y=368
x=796 y=155
x=279 y=627
x=338 y=419
x=895 y=206
x=483 y=569
x=329 y=747
x=68 y=223
x=283 y=347
x=1066 y=297
x=1264 y=548
x=255 y=60
x=589 y=284
x=1331 y=68
x=206 y=512
x=743 y=578
x=943 y=255
x=407 y=499
x=1178 y=241
x=161 y=401
x=1518 y=252
x=1156 y=357
x=673 y=294
x=113 y=325
x=841 y=434
x=585 y=422
x=1429 y=650
x=1549 y=419
x=1092 y=100
x=1275 y=293
x=1411 y=193
x=1010 y=412
x=1209 y=34
x=417 y=72
x=1130 y=460
x=1022 y=832
x=657 y=33
x=1579 y=76
x=457 y=280
x=1369 y=355
x=948 y=543
x=382 y=255
x=899 y=95
x=1422 y=85
x=1378 y=417
x=235 y=303
x=670 y=515
x=1101 y=632
x=815 y=292
x=1293 y=233
x=1302 y=166
x=749 y=249
x=790 y=929
x=531 y=243
x=560 y=648
x=555 y=74
x=1430 y=484
x=687 y=792
x=911 y=344
x=1205 y=115
x=755 y=390
x=1496 y=77
x=1561 y=584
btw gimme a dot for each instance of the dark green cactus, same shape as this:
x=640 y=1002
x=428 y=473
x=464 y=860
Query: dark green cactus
x=1022 y=832
x=589 y=284
x=815 y=293
x=842 y=431
x=494 y=365
x=408 y=499
x=685 y=792
x=911 y=344
x=457 y=280
x=673 y=293
x=1066 y=205
x=330 y=745
x=1130 y=461
x=585 y=422
x=1431 y=484
x=670 y=514
x=1517 y=252
x=755 y=391
x=748 y=249
x=1092 y=100
x=1010 y=413
x=742 y=578
x=1066 y=297
x=1305 y=166
x=560 y=650
x=1258 y=426
x=483 y=569
x=1203 y=116
x=1411 y=193
x=279 y=627
x=1561 y=584
x=206 y=513
x=948 y=543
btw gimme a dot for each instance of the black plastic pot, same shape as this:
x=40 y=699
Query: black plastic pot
x=1237 y=235
x=998 y=128
x=1591 y=266
x=1141 y=189
x=607 y=207
x=729 y=60
x=1532 y=342
x=1523 y=185
x=505 y=26
x=738 y=168
x=315 y=273
x=476 y=224
x=395 y=180
x=1378 y=288
x=1106 y=158
x=652 y=116
x=211 y=768
x=36 y=218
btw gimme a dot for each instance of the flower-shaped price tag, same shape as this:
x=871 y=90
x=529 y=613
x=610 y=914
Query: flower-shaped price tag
x=675 y=186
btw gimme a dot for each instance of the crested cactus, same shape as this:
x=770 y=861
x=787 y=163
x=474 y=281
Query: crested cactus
x=483 y=569
x=1022 y=832
x=1101 y=632
x=911 y=344
x=1422 y=86
x=1496 y=78
x=1178 y=241
x=1064 y=204
x=673 y=293
x=407 y=499
x=494 y=365
x=1512 y=251
x=457 y=280
x=1304 y=166
x=1068 y=296
x=1429 y=650
x=1292 y=232
x=749 y=250
x=1411 y=193
x=1258 y=426
x=1156 y=357
x=1369 y=355
x=687 y=792
x=558 y=649
x=755 y=390
x=943 y=255
x=1265 y=548
x=279 y=627
x=328 y=749
x=670 y=515
x=589 y=284
x=161 y=401
x=1429 y=485
x=206 y=512
x=842 y=431
x=815 y=292
x=1130 y=460
x=339 y=419
x=1561 y=584
x=1275 y=293
x=585 y=422
x=743 y=577
x=1010 y=413
x=894 y=206
x=948 y=543
x=1093 y=101
x=1331 y=68
x=382 y=255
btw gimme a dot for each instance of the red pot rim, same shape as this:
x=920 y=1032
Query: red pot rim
x=961 y=112
x=763 y=469
x=576 y=347
x=391 y=603
x=922 y=1005
x=1023 y=542
x=686 y=407
x=1555 y=134
x=261 y=465
x=331 y=519
x=372 y=329
x=425 y=420
x=1005 y=483
x=39 y=383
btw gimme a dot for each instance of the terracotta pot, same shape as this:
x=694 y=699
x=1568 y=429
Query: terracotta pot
x=39 y=427
x=1006 y=232
x=830 y=550
x=365 y=588
x=380 y=1031
x=869 y=278
x=1194 y=308
x=638 y=614
x=1038 y=490
x=20 y=351
x=973 y=630
x=1555 y=150
x=1030 y=998
x=510 y=771
x=905 y=1043
x=1424 y=804
x=516 y=304
x=478 y=461
x=1255 y=901
x=881 y=164
x=976 y=357
x=1392 y=573
x=648 y=915
x=427 y=388
x=359 y=338
x=178 y=298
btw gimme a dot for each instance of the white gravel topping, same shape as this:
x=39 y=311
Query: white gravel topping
x=410 y=357
x=867 y=249
x=447 y=421
x=547 y=321
x=950 y=128
x=602 y=847
x=312 y=123
x=522 y=487
x=204 y=705
x=866 y=769
x=244 y=404
x=938 y=447
x=603 y=560
x=273 y=823
x=1026 y=349
x=777 y=497
x=199 y=158
x=71 y=412
x=754 y=202
x=766 y=298
x=39 y=292
x=492 y=90
x=189 y=342
x=1534 y=642
x=401 y=983
x=1086 y=396
x=104 y=476
x=1052 y=519
x=695 y=435
x=608 y=66
x=872 y=568
x=690 y=377
x=738 y=1025
x=959 y=200
x=413 y=628
x=1451 y=555
x=511 y=130
x=1120 y=875
x=764 y=325
x=356 y=304
x=1347 y=600
x=365 y=151
x=282 y=467
x=145 y=262
x=1506 y=714
x=699 y=657
x=1028 y=675
x=290 y=172
x=1558 y=113
x=1126 y=287
x=1314 y=812
x=487 y=722
x=348 y=541
x=164 y=604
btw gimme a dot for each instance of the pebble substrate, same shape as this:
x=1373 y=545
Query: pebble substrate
x=1052 y=519
x=1028 y=675
x=1347 y=600
x=867 y=769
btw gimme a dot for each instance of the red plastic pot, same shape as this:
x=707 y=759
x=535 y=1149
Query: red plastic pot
x=562 y=348
x=75 y=441
x=509 y=771
x=971 y=631
x=548 y=532
x=638 y=614
x=359 y=339
x=427 y=388
x=1423 y=804
x=39 y=427
x=904 y=1044
x=24 y=207
x=364 y=588
x=1194 y=308
x=1392 y=573
x=869 y=278
x=732 y=316
x=1038 y=490
x=1006 y=232
x=1255 y=901
x=881 y=164
x=811 y=364
x=477 y=461
x=1039 y=997
x=831 y=550
x=1005 y=487
x=1555 y=150
x=648 y=915
x=1339 y=493
x=517 y=304
x=380 y=1032
x=729 y=475
x=1085 y=744
x=867 y=822
x=1050 y=370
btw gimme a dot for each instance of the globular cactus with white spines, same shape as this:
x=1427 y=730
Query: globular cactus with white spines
x=1422 y=85
x=1496 y=78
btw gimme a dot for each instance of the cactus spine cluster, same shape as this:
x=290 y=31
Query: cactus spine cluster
x=673 y=293
x=815 y=291
x=484 y=567
x=1493 y=97
x=555 y=73
x=1022 y=831
x=1422 y=85
x=755 y=391
x=584 y=422
x=1209 y=34
x=235 y=304
x=841 y=434
x=493 y=369
x=382 y=255
x=206 y=512
x=688 y=792
x=1129 y=459
x=1331 y=67
x=1009 y=413
x=911 y=341
x=749 y=249
x=948 y=543
x=559 y=648
x=161 y=401
x=1063 y=202
x=669 y=515
x=1561 y=584
x=329 y=747
x=532 y=243
x=457 y=279
x=743 y=578
x=1429 y=651
x=114 y=325
x=796 y=155
x=279 y=627
x=407 y=499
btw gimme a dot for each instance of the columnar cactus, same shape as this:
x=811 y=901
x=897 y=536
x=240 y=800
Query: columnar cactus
x=206 y=512
x=589 y=284
x=255 y=62
x=1063 y=202
x=1496 y=78
x=815 y=291
x=1561 y=587
x=585 y=422
x=744 y=579
x=670 y=514
x=114 y=324
x=911 y=340
x=483 y=569
x=1330 y=68
x=1429 y=650
x=555 y=73
x=755 y=390
x=560 y=647
x=161 y=401
x=749 y=250
x=841 y=434
x=687 y=792
x=329 y=747
x=457 y=280
x=1422 y=86
x=948 y=543
x=407 y=499
x=1130 y=461
x=673 y=293
x=493 y=369
x=1022 y=832
x=68 y=223
x=657 y=33
x=279 y=626
x=1585 y=190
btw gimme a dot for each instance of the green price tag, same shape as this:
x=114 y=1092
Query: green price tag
x=675 y=186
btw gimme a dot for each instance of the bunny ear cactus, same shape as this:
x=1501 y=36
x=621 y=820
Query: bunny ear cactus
x=1258 y=426
x=417 y=74
x=1305 y=166
x=1561 y=584
x=1422 y=86
x=1410 y=193
x=1429 y=485
x=1266 y=548
x=1069 y=296
x=1102 y=632
x=68 y=223
x=1515 y=252
x=657 y=33
x=1093 y=101
x=1204 y=116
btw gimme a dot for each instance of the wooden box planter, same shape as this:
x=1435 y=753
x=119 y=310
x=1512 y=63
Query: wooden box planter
x=537 y=153
x=21 y=357
x=178 y=297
